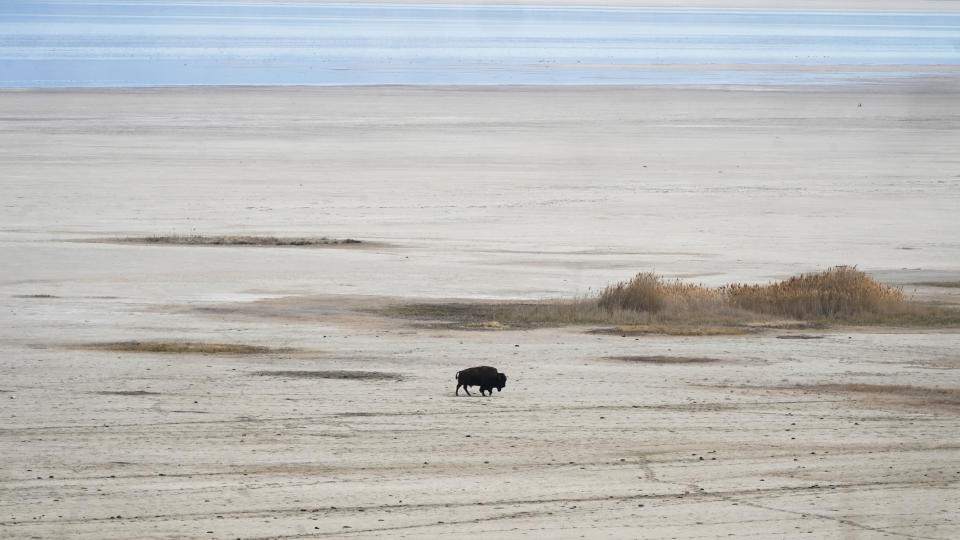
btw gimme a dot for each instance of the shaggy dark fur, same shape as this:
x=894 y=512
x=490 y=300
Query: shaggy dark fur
x=486 y=377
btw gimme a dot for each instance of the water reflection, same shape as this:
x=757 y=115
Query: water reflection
x=117 y=43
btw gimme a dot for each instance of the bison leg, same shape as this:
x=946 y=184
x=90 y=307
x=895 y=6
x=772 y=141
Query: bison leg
x=465 y=389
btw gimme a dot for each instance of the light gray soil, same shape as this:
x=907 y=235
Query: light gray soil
x=347 y=426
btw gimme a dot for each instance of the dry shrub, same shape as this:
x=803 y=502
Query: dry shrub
x=645 y=292
x=649 y=292
x=649 y=304
x=842 y=291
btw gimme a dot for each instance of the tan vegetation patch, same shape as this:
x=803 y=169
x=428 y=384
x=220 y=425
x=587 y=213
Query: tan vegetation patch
x=489 y=325
x=648 y=304
x=337 y=374
x=650 y=292
x=839 y=291
x=665 y=359
x=235 y=240
x=177 y=347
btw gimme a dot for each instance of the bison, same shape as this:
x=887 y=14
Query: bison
x=486 y=377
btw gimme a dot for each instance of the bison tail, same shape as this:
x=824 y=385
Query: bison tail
x=457 y=376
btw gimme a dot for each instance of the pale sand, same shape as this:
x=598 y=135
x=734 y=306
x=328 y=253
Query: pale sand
x=502 y=192
x=483 y=192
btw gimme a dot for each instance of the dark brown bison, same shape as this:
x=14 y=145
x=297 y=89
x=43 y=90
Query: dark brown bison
x=486 y=377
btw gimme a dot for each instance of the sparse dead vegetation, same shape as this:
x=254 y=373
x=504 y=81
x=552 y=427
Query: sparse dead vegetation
x=177 y=347
x=236 y=240
x=337 y=374
x=648 y=304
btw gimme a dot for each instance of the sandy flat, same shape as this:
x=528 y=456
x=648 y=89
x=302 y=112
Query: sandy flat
x=350 y=428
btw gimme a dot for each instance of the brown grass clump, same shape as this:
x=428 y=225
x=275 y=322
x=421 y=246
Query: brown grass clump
x=182 y=347
x=842 y=291
x=649 y=292
x=645 y=292
x=648 y=304
x=237 y=240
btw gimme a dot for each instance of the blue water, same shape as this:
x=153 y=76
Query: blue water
x=111 y=43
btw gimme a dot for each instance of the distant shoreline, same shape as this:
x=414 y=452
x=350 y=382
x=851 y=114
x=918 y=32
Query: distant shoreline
x=766 y=5
x=914 y=84
x=536 y=44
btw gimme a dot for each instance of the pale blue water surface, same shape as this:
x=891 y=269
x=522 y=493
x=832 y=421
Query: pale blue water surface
x=116 y=43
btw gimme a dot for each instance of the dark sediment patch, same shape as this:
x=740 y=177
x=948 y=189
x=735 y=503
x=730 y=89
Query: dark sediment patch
x=456 y=312
x=465 y=315
x=921 y=398
x=947 y=284
x=176 y=347
x=946 y=362
x=674 y=331
x=951 y=395
x=234 y=240
x=791 y=325
x=35 y=296
x=665 y=359
x=799 y=336
x=334 y=374
x=127 y=393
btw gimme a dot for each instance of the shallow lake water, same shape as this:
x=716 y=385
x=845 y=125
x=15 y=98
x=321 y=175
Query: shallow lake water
x=160 y=43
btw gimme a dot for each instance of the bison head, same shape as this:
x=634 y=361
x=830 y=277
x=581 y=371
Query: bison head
x=501 y=381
